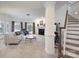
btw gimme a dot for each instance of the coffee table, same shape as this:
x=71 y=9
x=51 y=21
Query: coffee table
x=30 y=37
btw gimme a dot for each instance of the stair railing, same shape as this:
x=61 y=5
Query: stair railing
x=59 y=37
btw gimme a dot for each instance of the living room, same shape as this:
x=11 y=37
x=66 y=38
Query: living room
x=22 y=29
x=29 y=29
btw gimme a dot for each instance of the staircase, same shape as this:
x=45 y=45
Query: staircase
x=72 y=37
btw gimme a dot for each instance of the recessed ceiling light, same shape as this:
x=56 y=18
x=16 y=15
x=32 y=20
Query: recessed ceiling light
x=76 y=12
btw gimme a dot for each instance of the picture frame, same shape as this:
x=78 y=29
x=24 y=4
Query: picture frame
x=41 y=22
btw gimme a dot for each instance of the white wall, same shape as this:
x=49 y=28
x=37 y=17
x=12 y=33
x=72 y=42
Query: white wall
x=7 y=17
x=37 y=21
x=60 y=14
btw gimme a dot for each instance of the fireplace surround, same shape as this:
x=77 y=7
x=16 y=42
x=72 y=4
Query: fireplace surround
x=41 y=31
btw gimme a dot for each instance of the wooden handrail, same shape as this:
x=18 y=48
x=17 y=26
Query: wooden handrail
x=65 y=20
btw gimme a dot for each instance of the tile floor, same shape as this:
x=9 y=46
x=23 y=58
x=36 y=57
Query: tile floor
x=26 y=49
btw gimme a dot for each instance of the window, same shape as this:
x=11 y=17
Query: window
x=17 y=26
x=1 y=28
x=30 y=27
x=7 y=27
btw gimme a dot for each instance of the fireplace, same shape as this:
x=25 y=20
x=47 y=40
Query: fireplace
x=41 y=31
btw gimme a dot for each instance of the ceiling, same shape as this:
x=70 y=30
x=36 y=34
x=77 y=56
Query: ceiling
x=74 y=9
x=20 y=9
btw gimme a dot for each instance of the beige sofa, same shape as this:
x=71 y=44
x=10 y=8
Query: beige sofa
x=12 y=39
